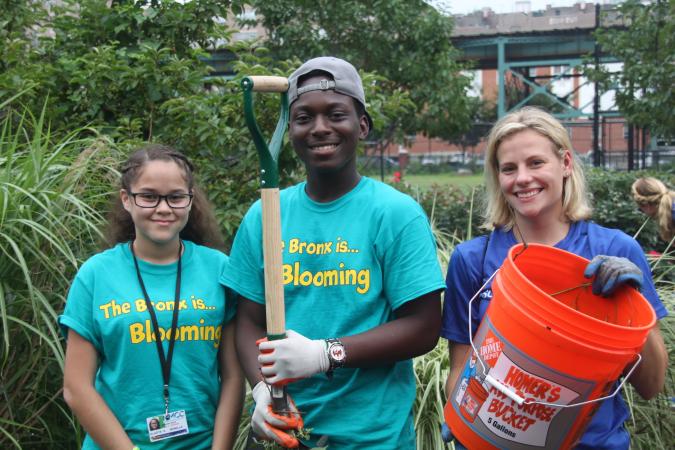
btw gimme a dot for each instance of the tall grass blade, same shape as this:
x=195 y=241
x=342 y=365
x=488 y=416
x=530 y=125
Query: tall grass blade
x=54 y=192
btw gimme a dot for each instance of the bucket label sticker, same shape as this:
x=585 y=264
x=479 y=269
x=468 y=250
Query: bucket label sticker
x=527 y=423
x=493 y=417
x=470 y=405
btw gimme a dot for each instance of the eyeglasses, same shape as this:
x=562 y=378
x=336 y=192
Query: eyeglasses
x=150 y=200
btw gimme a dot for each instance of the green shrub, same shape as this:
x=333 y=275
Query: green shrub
x=458 y=211
x=455 y=211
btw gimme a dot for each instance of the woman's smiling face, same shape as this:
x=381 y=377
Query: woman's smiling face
x=531 y=175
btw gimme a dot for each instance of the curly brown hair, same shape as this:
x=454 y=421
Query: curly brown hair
x=201 y=228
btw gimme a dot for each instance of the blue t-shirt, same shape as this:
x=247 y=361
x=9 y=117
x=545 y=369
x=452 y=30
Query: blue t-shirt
x=105 y=306
x=347 y=265
x=472 y=263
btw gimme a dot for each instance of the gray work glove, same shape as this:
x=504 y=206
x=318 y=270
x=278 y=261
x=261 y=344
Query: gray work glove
x=270 y=426
x=611 y=272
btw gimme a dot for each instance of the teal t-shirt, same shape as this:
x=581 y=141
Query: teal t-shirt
x=105 y=306
x=347 y=265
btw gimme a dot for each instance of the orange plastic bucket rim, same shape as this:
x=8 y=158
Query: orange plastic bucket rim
x=510 y=269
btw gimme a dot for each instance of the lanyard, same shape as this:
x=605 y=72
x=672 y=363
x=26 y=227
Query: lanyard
x=164 y=361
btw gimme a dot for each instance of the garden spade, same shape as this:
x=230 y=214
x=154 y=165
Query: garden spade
x=271 y=213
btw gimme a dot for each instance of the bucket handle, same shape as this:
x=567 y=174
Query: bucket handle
x=521 y=401
x=501 y=387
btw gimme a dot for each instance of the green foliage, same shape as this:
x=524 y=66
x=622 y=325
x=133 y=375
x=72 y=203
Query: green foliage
x=105 y=64
x=20 y=59
x=111 y=64
x=136 y=72
x=457 y=210
x=652 y=423
x=646 y=47
x=431 y=371
x=406 y=41
x=52 y=192
x=179 y=26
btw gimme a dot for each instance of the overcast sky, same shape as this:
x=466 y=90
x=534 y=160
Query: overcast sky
x=502 y=6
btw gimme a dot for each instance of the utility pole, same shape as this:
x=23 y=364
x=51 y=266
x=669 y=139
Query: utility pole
x=597 y=159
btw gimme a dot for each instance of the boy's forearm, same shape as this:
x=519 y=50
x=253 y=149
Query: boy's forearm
x=413 y=332
x=250 y=327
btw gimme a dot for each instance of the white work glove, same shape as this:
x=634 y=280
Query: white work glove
x=270 y=426
x=294 y=357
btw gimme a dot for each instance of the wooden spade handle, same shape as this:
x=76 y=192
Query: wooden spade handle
x=274 y=287
x=264 y=83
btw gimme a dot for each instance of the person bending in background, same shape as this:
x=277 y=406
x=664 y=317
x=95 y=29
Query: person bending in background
x=658 y=202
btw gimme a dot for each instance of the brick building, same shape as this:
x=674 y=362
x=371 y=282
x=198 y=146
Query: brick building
x=486 y=23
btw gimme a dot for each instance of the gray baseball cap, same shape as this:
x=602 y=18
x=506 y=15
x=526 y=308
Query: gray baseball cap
x=346 y=80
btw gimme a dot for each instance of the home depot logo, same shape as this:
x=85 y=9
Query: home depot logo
x=490 y=349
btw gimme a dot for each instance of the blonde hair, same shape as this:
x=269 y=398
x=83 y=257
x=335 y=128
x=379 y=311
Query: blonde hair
x=575 y=200
x=651 y=191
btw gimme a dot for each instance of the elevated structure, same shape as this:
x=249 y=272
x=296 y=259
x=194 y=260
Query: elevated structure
x=517 y=44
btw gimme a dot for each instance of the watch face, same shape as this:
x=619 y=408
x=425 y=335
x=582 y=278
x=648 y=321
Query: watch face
x=336 y=352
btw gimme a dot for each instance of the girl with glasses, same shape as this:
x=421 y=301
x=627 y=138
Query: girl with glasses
x=149 y=327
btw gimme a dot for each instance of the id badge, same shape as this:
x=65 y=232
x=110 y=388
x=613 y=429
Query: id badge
x=167 y=426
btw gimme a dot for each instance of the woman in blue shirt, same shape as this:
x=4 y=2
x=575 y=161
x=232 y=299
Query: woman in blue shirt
x=536 y=193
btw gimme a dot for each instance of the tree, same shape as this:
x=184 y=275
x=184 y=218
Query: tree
x=117 y=63
x=646 y=47
x=19 y=56
x=408 y=42
x=137 y=71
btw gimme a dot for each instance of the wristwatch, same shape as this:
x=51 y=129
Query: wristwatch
x=336 y=355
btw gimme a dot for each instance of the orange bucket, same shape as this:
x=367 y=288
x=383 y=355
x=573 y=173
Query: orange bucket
x=544 y=354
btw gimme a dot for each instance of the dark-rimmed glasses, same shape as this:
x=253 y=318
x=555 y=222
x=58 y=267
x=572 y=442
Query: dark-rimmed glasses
x=150 y=200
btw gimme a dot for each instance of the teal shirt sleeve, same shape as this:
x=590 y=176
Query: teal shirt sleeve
x=245 y=269
x=78 y=314
x=411 y=265
x=230 y=305
x=230 y=309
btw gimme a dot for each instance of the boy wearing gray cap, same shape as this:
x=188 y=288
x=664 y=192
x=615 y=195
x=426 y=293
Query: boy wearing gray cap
x=362 y=282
